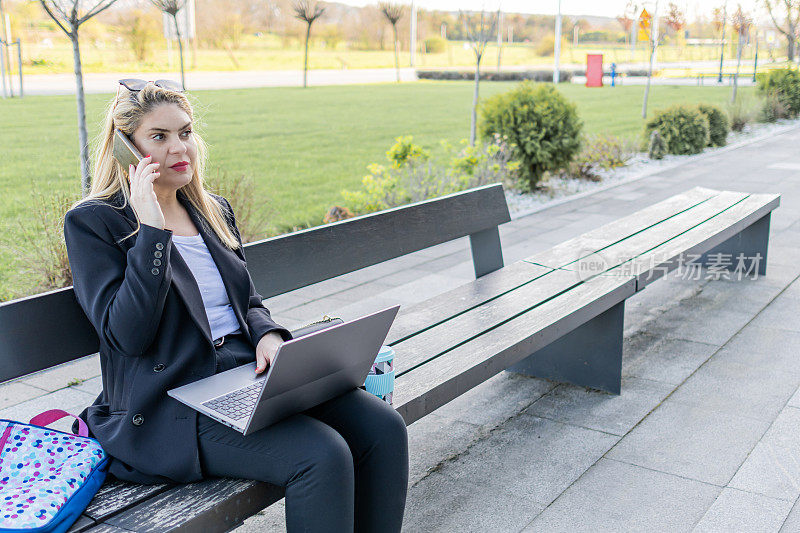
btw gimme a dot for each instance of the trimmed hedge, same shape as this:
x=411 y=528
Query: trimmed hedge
x=785 y=85
x=684 y=128
x=534 y=75
x=539 y=123
x=717 y=123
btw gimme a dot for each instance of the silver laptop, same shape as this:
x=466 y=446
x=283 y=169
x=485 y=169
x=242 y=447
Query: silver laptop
x=304 y=373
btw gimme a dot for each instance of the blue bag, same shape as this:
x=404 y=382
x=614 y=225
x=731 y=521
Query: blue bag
x=47 y=477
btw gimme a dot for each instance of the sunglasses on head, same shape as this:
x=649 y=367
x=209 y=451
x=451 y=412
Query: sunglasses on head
x=135 y=84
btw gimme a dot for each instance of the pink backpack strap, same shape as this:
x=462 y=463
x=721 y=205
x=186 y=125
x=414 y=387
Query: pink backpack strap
x=48 y=417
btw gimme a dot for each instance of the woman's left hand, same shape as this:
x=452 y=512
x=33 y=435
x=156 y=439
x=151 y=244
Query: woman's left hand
x=266 y=349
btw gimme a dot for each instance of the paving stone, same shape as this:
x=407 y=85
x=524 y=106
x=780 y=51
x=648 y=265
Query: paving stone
x=614 y=496
x=496 y=399
x=735 y=510
x=445 y=262
x=770 y=470
x=365 y=307
x=780 y=313
x=440 y=503
x=764 y=348
x=744 y=390
x=655 y=358
x=540 y=458
x=365 y=290
x=317 y=309
x=602 y=411
x=403 y=276
x=794 y=401
x=273 y=518
x=69 y=399
x=690 y=441
x=423 y=288
x=699 y=323
x=15 y=392
x=59 y=377
x=93 y=386
x=434 y=438
x=792 y=522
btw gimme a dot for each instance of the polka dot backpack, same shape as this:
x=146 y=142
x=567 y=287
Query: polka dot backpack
x=47 y=477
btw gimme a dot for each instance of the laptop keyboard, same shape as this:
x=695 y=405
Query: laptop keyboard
x=237 y=404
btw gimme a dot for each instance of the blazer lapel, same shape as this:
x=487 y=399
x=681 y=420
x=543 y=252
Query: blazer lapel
x=185 y=284
x=232 y=271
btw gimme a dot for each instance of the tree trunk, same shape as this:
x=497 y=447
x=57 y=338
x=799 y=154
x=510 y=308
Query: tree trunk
x=474 y=118
x=180 y=48
x=83 y=138
x=738 y=63
x=396 y=57
x=790 y=48
x=305 y=61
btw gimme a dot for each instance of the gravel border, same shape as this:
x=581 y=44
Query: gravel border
x=639 y=166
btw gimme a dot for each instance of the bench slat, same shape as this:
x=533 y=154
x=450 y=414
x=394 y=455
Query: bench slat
x=623 y=228
x=699 y=240
x=42 y=331
x=626 y=243
x=418 y=317
x=116 y=495
x=432 y=343
x=441 y=380
x=107 y=528
x=287 y=262
x=81 y=524
x=218 y=504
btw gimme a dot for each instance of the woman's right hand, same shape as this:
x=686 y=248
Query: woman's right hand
x=143 y=197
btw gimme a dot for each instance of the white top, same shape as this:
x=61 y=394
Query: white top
x=220 y=314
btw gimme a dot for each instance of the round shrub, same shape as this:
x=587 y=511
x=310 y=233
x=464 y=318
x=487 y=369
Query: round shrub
x=785 y=85
x=435 y=45
x=718 y=125
x=541 y=126
x=685 y=129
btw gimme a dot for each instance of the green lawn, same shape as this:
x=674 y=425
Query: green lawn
x=301 y=146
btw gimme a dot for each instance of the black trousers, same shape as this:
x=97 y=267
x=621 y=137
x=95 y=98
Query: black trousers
x=344 y=463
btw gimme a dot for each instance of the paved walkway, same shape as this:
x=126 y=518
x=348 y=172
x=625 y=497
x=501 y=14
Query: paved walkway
x=704 y=435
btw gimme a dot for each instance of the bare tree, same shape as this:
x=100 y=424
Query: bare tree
x=741 y=22
x=720 y=18
x=171 y=8
x=393 y=13
x=479 y=30
x=790 y=24
x=675 y=18
x=308 y=11
x=66 y=14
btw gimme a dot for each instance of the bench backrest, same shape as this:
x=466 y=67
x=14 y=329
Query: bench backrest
x=40 y=331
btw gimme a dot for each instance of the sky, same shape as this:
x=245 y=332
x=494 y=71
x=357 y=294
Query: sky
x=608 y=8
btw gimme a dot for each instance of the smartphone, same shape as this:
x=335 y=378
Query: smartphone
x=125 y=151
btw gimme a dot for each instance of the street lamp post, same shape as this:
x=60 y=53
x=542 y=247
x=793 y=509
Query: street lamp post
x=557 y=47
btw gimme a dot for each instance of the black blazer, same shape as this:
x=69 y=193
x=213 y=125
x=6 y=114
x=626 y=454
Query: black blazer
x=144 y=302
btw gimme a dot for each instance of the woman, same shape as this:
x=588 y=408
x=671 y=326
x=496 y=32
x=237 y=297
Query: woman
x=158 y=267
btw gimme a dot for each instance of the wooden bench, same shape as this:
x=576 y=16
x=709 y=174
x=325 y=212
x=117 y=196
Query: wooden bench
x=542 y=316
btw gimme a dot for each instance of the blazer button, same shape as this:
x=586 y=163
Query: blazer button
x=157 y=254
x=138 y=419
x=159 y=367
x=155 y=271
x=159 y=246
x=157 y=262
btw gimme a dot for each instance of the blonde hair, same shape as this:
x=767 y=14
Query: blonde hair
x=108 y=177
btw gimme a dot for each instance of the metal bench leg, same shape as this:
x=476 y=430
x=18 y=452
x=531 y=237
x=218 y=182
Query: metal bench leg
x=751 y=242
x=487 y=254
x=590 y=356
